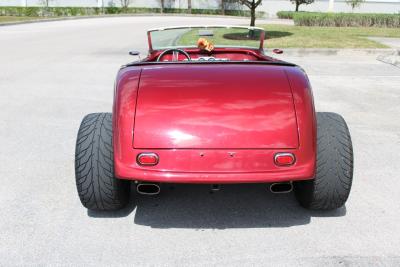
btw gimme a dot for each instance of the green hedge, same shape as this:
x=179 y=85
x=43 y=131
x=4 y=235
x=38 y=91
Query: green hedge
x=342 y=19
x=285 y=14
x=91 y=11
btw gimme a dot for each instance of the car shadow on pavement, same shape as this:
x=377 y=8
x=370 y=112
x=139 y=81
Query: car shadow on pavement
x=234 y=206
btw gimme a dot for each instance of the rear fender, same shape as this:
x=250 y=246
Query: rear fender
x=124 y=108
x=305 y=112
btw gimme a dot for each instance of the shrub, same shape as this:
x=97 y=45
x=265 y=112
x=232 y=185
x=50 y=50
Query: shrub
x=90 y=11
x=354 y=3
x=30 y=12
x=285 y=14
x=112 y=10
x=342 y=19
x=207 y=11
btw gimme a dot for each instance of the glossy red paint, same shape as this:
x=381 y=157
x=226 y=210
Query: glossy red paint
x=238 y=116
x=210 y=106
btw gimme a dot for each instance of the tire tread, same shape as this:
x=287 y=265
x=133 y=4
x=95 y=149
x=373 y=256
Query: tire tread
x=97 y=187
x=334 y=172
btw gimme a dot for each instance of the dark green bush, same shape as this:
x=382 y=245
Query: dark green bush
x=49 y=11
x=207 y=11
x=243 y=13
x=342 y=19
x=175 y=10
x=112 y=10
x=347 y=20
x=285 y=14
x=30 y=12
x=90 y=11
x=141 y=10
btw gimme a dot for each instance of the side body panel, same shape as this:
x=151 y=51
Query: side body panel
x=201 y=165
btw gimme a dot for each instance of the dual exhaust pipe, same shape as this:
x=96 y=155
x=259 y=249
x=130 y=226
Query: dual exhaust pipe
x=281 y=188
x=148 y=189
x=154 y=189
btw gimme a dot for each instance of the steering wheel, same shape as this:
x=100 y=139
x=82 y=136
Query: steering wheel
x=174 y=50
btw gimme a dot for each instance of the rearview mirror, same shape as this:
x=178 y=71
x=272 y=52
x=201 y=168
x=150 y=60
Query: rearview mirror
x=134 y=53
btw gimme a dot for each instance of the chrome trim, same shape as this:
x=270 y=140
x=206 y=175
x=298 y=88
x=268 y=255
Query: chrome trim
x=285 y=154
x=215 y=187
x=147 y=154
x=156 y=186
x=204 y=26
x=283 y=191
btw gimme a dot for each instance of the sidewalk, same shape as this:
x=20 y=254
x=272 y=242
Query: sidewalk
x=393 y=57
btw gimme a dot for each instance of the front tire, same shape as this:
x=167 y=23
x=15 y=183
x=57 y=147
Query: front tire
x=98 y=189
x=331 y=186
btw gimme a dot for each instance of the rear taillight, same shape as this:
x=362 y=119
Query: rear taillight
x=147 y=159
x=284 y=159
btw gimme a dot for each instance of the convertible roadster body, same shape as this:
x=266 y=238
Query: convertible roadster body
x=200 y=110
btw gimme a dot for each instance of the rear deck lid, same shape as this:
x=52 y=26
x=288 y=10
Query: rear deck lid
x=214 y=106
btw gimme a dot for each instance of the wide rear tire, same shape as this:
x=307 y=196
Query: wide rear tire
x=98 y=189
x=331 y=186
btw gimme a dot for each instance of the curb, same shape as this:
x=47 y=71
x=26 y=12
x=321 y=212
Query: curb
x=392 y=58
x=334 y=51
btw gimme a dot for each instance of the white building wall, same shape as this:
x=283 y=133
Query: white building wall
x=270 y=7
x=10 y=3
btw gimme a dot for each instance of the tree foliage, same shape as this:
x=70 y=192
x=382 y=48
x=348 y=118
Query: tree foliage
x=45 y=3
x=354 y=3
x=301 y=2
x=252 y=5
x=162 y=5
x=125 y=3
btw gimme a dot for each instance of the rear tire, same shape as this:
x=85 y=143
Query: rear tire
x=331 y=186
x=98 y=189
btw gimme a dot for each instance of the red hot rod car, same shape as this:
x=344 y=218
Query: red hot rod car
x=208 y=106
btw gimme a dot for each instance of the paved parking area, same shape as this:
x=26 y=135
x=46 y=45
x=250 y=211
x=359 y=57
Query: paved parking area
x=52 y=74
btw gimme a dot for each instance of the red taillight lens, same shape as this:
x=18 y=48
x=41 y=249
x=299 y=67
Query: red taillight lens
x=147 y=159
x=284 y=159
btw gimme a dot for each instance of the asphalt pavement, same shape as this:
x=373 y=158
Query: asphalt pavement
x=53 y=73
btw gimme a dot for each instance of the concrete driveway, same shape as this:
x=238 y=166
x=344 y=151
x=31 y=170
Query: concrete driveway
x=52 y=74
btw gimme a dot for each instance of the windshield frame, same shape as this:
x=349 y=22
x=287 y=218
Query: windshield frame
x=262 y=34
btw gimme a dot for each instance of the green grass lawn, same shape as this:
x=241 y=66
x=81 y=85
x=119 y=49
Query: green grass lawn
x=286 y=36
x=8 y=19
x=218 y=38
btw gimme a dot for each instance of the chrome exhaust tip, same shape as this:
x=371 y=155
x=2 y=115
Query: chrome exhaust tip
x=148 y=189
x=281 y=188
x=215 y=187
